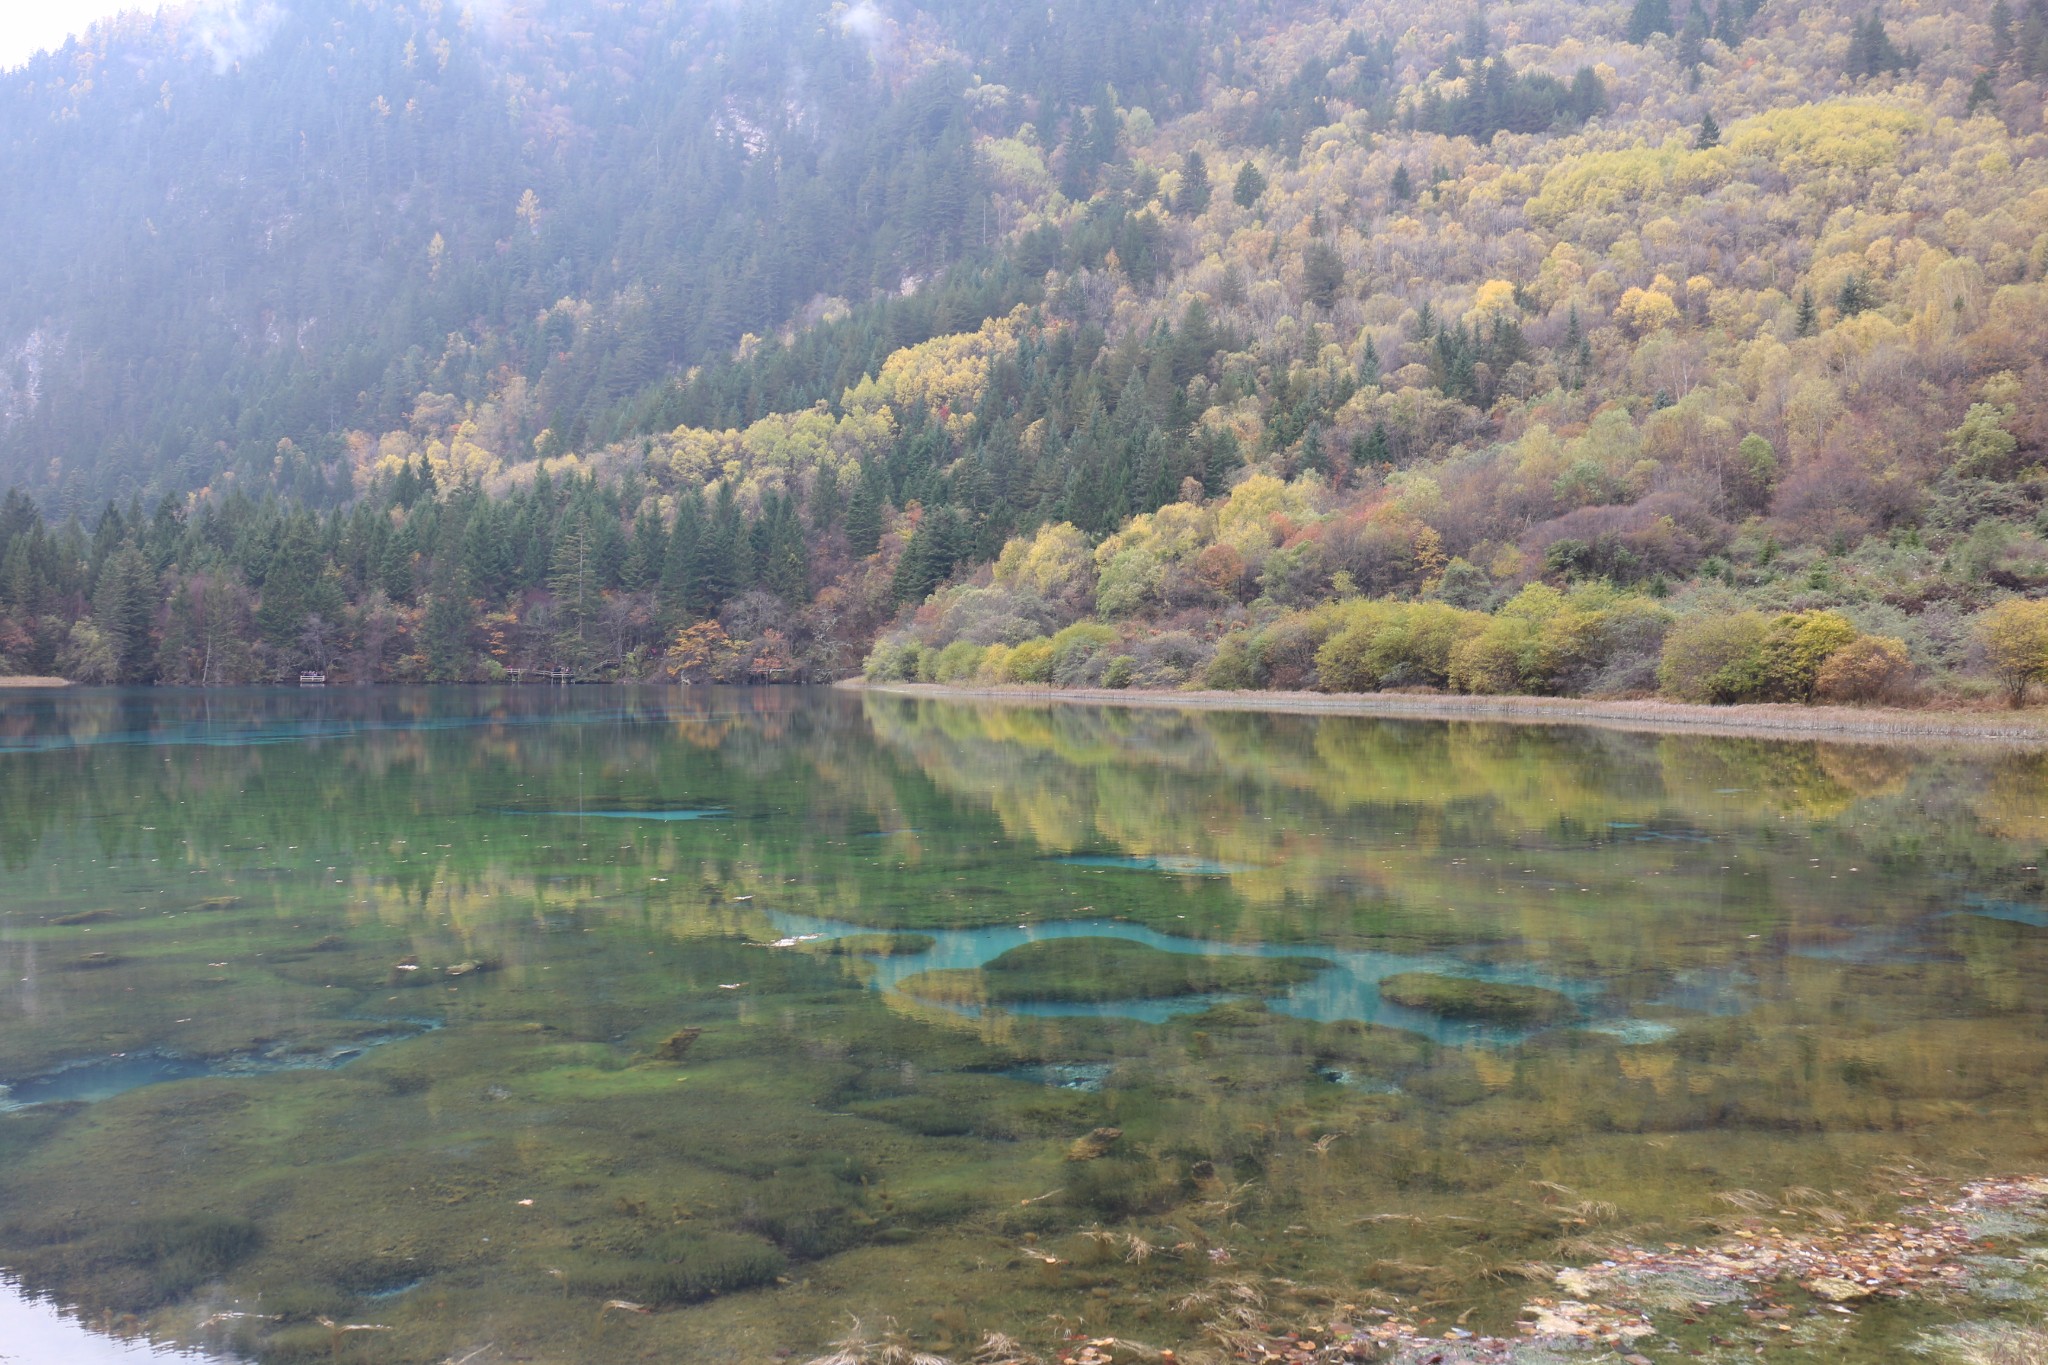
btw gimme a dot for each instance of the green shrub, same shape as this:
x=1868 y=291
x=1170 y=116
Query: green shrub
x=1030 y=662
x=893 y=661
x=1714 y=658
x=1074 y=650
x=1234 y=669
x=1868 y=668
x=1393 y=644
x=1750 y=657
x=995 y=665
x=1120 y=671
x=2015 y=639
x=1797 y=646
x=957 y=661
x=1497 y=660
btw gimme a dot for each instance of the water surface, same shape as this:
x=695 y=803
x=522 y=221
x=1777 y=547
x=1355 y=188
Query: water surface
x=460 y=1013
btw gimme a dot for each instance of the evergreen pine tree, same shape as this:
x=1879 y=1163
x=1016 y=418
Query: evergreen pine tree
x=175 y=654
x=676 y=586
x=1709 y=135
x=1871 y=51
x=1194 y=185
x=785 y=570
x=405 y=488
x=1807 y=322
x=760 y=541
x=1647 y=18
x=572 y=577
x=290 y=584
x=1854 y=297
x=1249 y=187
x=1322 y=274
x=826 y=503
x=1375 y=450
x=446 y=629
x=123 y=607
x=1692 y=49
x=864 y=517
x=1402 y=187
x=394 y=568
x=642 y=568
x=1588 y=98
x=723 y=567
x=1478 y=41
x=487 y=564
x=1728 y=24
x=1980 y=95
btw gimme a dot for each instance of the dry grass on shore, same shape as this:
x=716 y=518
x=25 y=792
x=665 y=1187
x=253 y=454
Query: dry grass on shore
x=30 y=680
x=1882 y=724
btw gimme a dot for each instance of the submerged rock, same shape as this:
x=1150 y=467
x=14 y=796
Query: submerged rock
x=678 y=1044
x=1095 y=1145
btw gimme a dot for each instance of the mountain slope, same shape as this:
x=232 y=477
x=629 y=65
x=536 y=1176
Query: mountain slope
x=244 y=225
x=1226 y=320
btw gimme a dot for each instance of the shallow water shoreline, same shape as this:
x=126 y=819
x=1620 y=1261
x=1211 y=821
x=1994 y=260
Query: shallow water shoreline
x=1777 y=720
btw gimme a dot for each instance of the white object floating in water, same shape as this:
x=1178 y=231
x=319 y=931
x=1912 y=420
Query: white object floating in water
x=793 y=942
x=730 y=985
x=742 y=898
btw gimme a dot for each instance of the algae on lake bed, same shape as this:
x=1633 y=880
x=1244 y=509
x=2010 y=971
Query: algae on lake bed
x=1461 y=997
x=876 y=945
x=646 y=1100
x=1096 y=969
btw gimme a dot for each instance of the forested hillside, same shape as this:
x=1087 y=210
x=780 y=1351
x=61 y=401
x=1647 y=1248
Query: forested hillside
x=1515 y=347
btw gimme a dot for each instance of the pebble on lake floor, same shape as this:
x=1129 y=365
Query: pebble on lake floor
x=1933 y=1246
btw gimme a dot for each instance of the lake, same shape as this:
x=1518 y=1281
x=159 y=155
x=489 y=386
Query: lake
x=419 y=1025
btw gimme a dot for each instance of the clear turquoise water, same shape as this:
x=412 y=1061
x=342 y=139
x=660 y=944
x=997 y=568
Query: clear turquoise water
x=461 y=1012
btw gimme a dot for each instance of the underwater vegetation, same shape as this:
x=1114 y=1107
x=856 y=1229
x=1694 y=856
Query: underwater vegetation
x=593 y=1063
x=1089 y=969
x=1459 y=997
x=876 y=945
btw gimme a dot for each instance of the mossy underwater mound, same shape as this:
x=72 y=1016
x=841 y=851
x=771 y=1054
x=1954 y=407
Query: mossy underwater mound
x=875 y=945
x=1090 y=970
x=681 y=1267
x=1461 y=997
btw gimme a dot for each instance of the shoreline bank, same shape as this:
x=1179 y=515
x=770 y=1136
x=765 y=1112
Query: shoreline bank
x=1772 y=721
